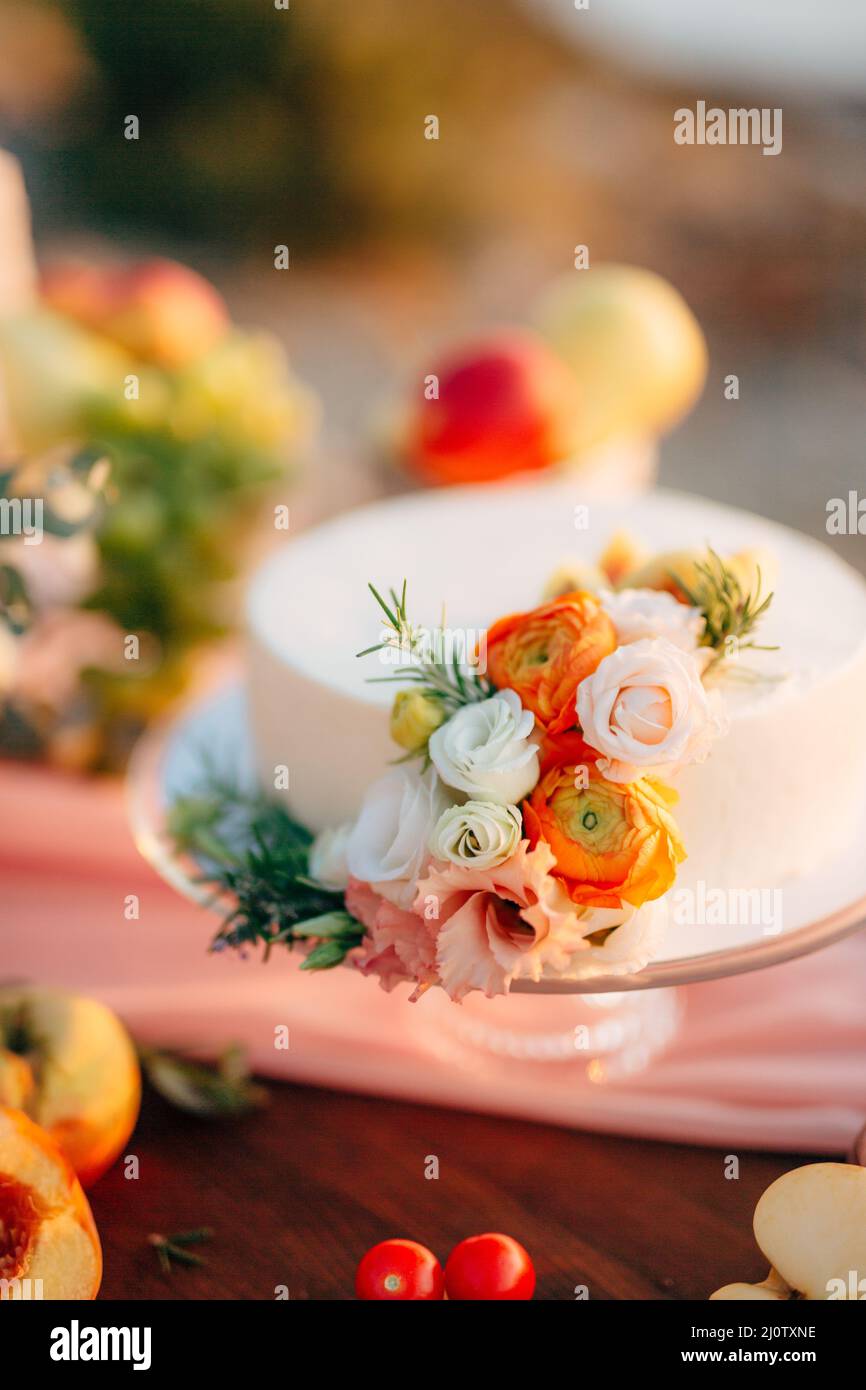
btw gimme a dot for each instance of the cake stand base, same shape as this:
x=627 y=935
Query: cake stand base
x=598 y=1037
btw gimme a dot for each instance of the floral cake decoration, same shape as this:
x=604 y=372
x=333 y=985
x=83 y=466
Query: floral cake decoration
x=526 y=828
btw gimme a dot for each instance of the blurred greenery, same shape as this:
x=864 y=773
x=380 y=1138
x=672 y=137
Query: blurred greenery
x=262 y=126
x=230 y=102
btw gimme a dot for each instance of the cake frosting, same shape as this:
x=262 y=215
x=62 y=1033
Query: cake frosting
x=780 y=795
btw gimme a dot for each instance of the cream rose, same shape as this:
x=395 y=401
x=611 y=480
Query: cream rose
x=387 y=846
x=480 y=834
x=327 y=862
x=638 y=613
x=485 y=750
x=645 y=710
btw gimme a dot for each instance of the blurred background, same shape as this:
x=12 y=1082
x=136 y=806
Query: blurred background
x=304 y=126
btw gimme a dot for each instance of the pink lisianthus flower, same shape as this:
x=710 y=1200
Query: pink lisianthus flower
x=500 y=924
x=399 y=945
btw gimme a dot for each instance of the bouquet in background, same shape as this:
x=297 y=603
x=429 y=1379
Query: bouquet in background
x=200 y=421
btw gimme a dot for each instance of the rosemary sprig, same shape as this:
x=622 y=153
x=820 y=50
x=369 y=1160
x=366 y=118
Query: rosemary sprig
x=257 y=858
x=173 y=1249
x=730 y=612
x=448 y=681
x=221 y=1092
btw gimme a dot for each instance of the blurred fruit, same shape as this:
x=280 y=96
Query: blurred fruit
x=399 y=1269
x=678 y=570
x=86 y=1085
x=622 y=554
x=244 y=389
x=158 y=310
x=672 y=571
x=506 y=405
x=489 y=1267
x=52 y=372
x=571 y=575
x=47 y=1231
x=76 y=291
x=634 y=345
x=811 y=1225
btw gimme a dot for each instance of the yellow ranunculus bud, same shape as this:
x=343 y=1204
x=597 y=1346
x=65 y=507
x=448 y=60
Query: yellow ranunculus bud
x=414 y=717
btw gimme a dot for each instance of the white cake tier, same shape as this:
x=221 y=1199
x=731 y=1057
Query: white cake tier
x=779 y=795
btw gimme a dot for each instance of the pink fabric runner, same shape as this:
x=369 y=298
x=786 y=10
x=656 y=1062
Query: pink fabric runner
x=776 y=1059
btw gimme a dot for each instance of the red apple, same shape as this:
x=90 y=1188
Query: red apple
x=503 y=406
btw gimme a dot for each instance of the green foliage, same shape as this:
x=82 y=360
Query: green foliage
x=221 y=1092
x=256 y=857
x=451 y=683
x=179 y=517
x=730 y=613
x=173 y=1249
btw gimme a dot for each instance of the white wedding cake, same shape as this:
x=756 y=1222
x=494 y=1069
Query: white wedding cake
x=780 y=795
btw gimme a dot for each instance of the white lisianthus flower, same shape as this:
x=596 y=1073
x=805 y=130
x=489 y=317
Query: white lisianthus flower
x=485 y=750
x=645 y=710
x=480 y=834
x=638 y=613
x=327 y=862
x=388 y=844
x=620 y=941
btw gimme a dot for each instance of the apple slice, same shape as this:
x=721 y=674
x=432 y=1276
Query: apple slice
x=811 y=1224
x=47 y=1233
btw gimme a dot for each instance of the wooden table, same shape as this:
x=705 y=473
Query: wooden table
x=296 y=1193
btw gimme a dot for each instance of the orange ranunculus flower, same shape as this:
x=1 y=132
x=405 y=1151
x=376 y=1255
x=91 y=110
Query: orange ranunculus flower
x=613 y=842
x=571 y=748
x=545 y=654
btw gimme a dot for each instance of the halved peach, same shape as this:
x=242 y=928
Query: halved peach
x=70 y=1065
x=49 y=1246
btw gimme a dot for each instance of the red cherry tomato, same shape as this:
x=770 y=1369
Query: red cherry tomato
x=399 y=1269
x=489 y=1267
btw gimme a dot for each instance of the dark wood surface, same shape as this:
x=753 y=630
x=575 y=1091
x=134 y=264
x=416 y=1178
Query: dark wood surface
x=296 y=1193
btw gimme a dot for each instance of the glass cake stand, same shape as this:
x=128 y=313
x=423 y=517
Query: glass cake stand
x=602 y=1028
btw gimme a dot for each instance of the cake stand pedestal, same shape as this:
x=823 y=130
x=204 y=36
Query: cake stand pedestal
x=589 y=1032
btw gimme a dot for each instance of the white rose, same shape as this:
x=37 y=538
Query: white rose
x=645 y=710
x=327 y=862
x=485 y=750
x=387 y=846
x=480 y=834
x=637 y=613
